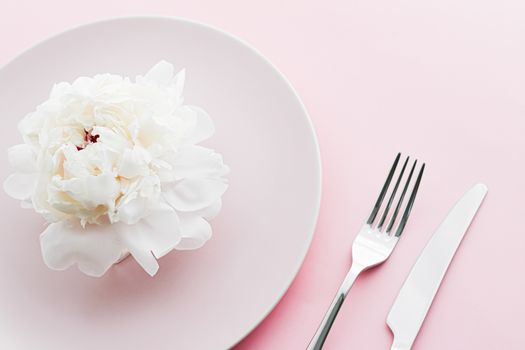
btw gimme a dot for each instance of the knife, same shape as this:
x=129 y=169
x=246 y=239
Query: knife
x=415 y=297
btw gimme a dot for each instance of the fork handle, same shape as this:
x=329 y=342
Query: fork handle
x=322 y=331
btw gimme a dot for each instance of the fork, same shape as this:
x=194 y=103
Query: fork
x=374 y=243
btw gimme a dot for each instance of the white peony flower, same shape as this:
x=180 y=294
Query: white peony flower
x=113 y=166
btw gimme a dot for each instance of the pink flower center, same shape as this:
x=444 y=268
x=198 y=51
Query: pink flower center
x=88 y=138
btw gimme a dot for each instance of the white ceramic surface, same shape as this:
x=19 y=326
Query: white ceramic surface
x=204 y=299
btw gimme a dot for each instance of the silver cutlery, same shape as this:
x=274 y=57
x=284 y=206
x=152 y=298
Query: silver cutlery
x=375 y=241
x=415 y=297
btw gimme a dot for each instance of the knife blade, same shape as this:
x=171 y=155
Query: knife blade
x=415 y=297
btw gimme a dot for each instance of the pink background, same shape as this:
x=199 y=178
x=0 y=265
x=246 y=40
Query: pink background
x=443 y=80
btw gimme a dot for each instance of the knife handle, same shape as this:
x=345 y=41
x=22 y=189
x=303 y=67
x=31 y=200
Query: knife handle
x=322 y=332
x=397 y=346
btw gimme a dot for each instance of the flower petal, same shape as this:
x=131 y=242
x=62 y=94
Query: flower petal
x=194 y=194
x=26 y=204
x=195 y=232
x=91 y=190
x=102 y=188
x=161 y=73
x=111 y=140
x=133 y=211
x=163 y=230
x=94 y=248
x=152 y=237
x=193 y=161
x=134 y=162
x=203 y=128
x=20 y=186
x=139 y=247
x=210 y=212
x=178 y=84
x=22 y=158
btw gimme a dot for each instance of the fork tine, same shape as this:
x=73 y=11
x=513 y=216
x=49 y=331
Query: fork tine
x=401 y=198
x=392 y=195
x=408 y=208
x=379 y=200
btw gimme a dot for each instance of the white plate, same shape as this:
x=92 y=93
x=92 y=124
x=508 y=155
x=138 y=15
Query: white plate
x=205 y=299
